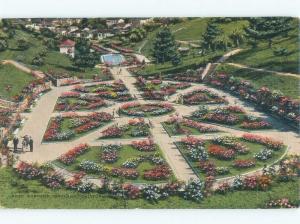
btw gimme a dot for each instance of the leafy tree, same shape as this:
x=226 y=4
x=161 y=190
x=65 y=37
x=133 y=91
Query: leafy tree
x=47 y=33
x=210 y=35
x=23 y=44
x=3 y=45
x=237 y=36
x=222 y=41
x=83 y=56
x=50 y=43
x=37 y=60
x=176 y=60
x=267 y=28
x=164 y=46
x=281 y=53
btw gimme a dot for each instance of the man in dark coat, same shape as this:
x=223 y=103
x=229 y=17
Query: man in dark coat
x=16 y=142
x=5 y=142
x=31 y=144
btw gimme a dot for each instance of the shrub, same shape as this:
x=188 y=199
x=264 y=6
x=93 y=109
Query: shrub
x=194 y=191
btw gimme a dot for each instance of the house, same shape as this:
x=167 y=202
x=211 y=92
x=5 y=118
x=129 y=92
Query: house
x=67 y=47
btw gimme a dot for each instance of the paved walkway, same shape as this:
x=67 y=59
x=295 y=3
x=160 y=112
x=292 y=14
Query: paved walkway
x=38 y=119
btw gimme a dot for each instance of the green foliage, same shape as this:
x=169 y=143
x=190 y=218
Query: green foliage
x=210 y=35
x=23 y=44
x=266 y=28
x=3 y=45
x=83 y=56
x=37 y=60
x=164 y=46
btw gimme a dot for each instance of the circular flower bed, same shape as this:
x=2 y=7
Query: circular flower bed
x=145 y=110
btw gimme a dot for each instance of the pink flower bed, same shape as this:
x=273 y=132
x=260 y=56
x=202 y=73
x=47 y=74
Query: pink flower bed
x=112 y=132
x=124 y=172
x=109 y=156
x=190 y=140
x=144 y=145
x=269 y=142
x=241 y=164
x=70 y=156
x=256 y=125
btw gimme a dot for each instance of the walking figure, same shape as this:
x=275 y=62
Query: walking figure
x=15 y=142
x=31 y=144
x=113 y=113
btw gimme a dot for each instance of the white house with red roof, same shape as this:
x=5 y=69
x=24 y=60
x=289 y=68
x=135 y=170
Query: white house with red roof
x=67 y=47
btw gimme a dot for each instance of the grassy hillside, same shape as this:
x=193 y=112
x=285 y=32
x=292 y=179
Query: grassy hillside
x=16 y=79
x=289 y=86
x=263 y=57
x=53 y=59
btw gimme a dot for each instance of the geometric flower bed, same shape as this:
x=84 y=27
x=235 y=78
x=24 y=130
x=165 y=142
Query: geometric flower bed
x=157 y=90
x=229 y=155
x=202 y=96
x=138 y=162
x=179 y=126
x=134 y=128
x=145 y=110
x=232 y=116
x=71 y=125
x=70 y=101
x=113 y=91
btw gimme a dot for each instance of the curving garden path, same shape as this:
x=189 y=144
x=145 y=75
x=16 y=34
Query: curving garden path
x=37 y=121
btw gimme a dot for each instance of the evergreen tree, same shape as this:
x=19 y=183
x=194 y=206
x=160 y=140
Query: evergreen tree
x=266 y=28
x=83 y=56
x=210 y=35
x=164 y=47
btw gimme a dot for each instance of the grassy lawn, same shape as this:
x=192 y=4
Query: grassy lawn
x=188 y=62
x=254 y=148
x=11 y=76
x=263 y=57
x=17 y=193
x=54 y=61
x=126 y=152
x=288 y=85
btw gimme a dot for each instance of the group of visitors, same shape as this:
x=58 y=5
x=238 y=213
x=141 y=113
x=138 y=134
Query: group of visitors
x=27 y=142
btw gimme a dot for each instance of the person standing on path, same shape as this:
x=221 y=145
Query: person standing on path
x=5 y=142
x=15 y=142
x=31 y=144
x=113 y=113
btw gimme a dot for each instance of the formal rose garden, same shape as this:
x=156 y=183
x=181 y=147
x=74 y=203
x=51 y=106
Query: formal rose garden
x=70 y=125
x=228 y=155
x=141 y=161
x=157 y=89
x=116 y=91
x=202 y=96
x=233 y=116
x=134 y=128
x=145 y=110
x=74 y=101
x=176 y=125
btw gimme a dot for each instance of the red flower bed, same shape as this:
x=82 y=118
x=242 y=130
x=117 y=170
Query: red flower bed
x=240 y=164
x=124 y=172
x=235 y=109
x=70 y=94
x=70 y=156
x=27 y=171
x=269 y=142
x=131 y=191
x=157 y=173
x=208 y=167
x=112 y=132
x=144 y=145
x=52 y=130
x=256 y=125
x=190 y=140
x=199 y=126
x=220 y=152
x=86 y=127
